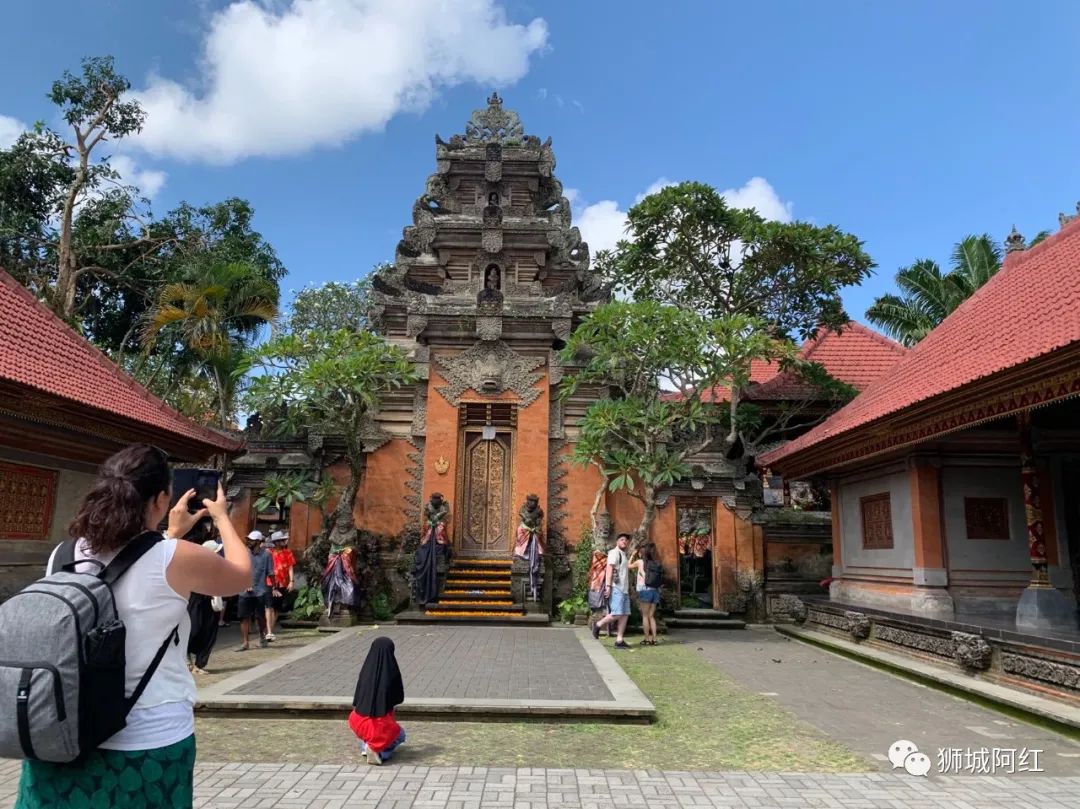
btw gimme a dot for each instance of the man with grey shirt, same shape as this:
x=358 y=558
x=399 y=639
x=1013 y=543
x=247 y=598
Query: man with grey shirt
x=617 y=590
x=255 y=600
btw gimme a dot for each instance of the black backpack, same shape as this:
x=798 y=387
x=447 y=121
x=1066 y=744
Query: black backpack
x=62 y=660
x=654 y=574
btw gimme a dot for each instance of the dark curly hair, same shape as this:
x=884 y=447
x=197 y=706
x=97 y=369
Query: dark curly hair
x=113 y=512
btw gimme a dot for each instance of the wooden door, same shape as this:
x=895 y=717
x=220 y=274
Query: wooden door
x=485 y=500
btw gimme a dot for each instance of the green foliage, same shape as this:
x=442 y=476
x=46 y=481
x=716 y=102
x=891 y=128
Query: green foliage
x=323 y=491
x=381 y=608
x=569 y=607
x=686 y=247
x=89 y=102
x=326 y=381
x=309 y=603
x=281 y=489
x=641 y=437
x=927 y=295
x=331 y=306
x=579 y=573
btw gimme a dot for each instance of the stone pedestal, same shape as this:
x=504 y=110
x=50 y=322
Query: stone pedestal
x=1044 y=608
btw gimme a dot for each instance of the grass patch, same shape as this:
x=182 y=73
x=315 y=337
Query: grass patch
x=706 y=721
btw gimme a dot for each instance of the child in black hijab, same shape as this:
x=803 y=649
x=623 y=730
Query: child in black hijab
x=378 y=690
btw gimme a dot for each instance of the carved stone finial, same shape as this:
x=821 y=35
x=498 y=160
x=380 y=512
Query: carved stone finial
x=1014 y=241
x=1064 y=218
x=494 y=124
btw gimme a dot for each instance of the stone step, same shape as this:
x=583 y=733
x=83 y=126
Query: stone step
x=495 y=564
x=476 y=594
x=474 y=606
x=705 y=623
x=700 y=613
x=529 y=619
x=457 y=573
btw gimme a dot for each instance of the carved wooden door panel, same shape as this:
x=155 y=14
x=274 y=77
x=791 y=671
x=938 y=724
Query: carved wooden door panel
x=485 y=509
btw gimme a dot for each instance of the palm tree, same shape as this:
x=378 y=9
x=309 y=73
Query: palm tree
x=927 y=296
x=216 y=312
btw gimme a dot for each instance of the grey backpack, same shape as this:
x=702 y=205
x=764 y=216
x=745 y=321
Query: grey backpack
x=62 y=659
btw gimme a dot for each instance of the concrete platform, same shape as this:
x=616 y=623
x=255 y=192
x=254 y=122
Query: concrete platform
x=450 y=672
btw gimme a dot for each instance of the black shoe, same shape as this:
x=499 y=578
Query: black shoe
x=596 y=631
x=621 y=644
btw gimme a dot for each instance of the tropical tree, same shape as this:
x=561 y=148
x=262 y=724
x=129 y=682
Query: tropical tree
x=927 y=295
x=686 y=247
x=331 y=306
x=70 y=210
x=643 y=436
x=216 y=312
x=329 y=382
x=281 y=490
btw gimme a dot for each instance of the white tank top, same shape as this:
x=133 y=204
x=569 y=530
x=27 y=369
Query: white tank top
x=150 y=608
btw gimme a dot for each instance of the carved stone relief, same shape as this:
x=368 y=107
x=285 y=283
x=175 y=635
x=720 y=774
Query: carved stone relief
x=858 y=624
x=494 y=124
x=972 y=651
x=942 y=647
x=490 y=367
x=489 y=327
x=1039 y=668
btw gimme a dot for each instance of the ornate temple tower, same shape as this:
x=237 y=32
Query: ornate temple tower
x=487 y=283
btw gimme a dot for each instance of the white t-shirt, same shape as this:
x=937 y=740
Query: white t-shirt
x=149 y=608
x=621 y=563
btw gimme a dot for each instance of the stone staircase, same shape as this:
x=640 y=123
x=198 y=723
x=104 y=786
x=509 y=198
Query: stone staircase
x=476 y=591
x=703 y=619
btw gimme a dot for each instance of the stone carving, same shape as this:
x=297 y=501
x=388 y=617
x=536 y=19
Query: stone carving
x=556 y=492
x=1014 y=241
x=490 y=367
x=415 y=325
x=489 y=327
x=373 y=436
x=562 y=328
x=1064 y=218
x=829 y=619
x=1040 y=668
x=494 y=124
x=858 y=624
x=789 y=606
x=972 y=651
x=419 y=419
x=491 y=239
x=415 y=483
x=556 y=370
x=933 y=644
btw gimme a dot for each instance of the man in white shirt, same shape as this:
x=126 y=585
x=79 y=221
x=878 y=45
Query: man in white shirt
x=617 y=590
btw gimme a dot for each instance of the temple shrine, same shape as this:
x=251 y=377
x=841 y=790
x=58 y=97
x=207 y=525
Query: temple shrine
x=488 y=282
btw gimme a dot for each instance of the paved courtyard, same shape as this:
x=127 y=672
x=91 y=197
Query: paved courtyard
x=868 y=709
x=302 y=786
x=473 y=662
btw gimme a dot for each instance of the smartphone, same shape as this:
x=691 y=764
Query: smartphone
x=203 y=481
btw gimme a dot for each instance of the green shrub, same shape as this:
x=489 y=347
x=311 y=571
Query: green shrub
x=575 y=605
x=309 y=604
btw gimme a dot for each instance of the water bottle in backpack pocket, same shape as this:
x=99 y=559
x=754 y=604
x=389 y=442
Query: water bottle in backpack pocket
x=62 y=660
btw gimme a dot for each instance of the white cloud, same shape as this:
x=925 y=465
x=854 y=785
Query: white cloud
x=148 y=181
x=603 y=223
x=10 y=129
x=761 y=196
x=280 y=78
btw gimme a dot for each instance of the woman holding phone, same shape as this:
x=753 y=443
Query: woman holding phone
x=153 y=757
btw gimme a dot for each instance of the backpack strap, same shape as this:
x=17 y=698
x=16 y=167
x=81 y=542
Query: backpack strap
x=129 y=555
x=172 y=637
x=64 y=556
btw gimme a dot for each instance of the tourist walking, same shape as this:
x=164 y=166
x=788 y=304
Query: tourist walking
x=616 y=588
x=650 y=574
x=283 y=563
x=150 y=761
x=254 y=601
x=379 y=690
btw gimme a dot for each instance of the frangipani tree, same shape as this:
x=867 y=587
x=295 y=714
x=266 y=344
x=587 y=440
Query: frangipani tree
x=658 y=362
x=328 y=382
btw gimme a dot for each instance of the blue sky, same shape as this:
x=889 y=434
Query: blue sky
x=908 y=124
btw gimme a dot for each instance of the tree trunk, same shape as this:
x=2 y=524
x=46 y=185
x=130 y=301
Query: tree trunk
x=601 y=522
x=641 y=535
x=66 y=265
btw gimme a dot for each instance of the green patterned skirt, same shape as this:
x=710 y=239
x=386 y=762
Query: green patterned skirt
x=112 y=779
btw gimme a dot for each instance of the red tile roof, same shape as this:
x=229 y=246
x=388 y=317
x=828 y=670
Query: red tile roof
x=1030 y=309
x=857 y=355
x=38 y=350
